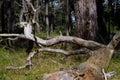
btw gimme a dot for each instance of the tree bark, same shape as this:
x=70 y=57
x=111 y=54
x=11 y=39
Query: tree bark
x=86 y=19
x=7 y=19
x=47 y=20
x=93 y=68
x=67 y=26
x=37 y=29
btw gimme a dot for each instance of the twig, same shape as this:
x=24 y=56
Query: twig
x=18 y=4
x=108 y=75
x=12 y=38
x=104 y=74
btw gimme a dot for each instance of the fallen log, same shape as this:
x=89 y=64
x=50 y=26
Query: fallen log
x=93 y=69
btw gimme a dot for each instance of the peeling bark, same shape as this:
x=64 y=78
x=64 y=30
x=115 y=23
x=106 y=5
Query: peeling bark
x=86 y=19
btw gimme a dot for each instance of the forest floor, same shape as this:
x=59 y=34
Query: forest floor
x=44 y=63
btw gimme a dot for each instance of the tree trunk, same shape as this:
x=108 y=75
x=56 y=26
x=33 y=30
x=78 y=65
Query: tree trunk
x=37 y=16
x=7 y=19
x=86 y=19
x=7 y=16
x=67 y=27
x=47 y=20
x=51 y=20
x=89 y=70
x=51 y=16
x=0 y=16
x=93 y=68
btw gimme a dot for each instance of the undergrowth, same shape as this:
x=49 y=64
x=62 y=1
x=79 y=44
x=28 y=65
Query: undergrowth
x=44 y=63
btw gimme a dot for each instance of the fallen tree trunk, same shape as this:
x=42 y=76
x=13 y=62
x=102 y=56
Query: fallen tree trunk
x=93 y=68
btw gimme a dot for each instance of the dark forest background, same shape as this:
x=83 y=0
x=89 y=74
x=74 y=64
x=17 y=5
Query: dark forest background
x=65 y=17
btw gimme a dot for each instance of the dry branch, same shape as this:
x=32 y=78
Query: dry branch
x=31 y=55
x=85 y=43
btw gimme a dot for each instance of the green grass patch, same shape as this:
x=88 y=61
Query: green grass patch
x=44 y=63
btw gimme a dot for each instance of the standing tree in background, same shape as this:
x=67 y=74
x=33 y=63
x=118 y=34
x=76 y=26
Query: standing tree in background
x=86 y=19
x=67 y=26
x=47 y=19
x=0 y=15
x=51 y=20
x=7 y=10
x=37 y=6
x=7 y=18
x=51 y=15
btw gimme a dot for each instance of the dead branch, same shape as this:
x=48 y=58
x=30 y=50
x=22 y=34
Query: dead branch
x=12 y=68
x=108 y=75
x=93 y=68
x=67 y=53
x=28 y=35
x=12 y=38
x=59 y=39
x=18 y=4
x=31 y=55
